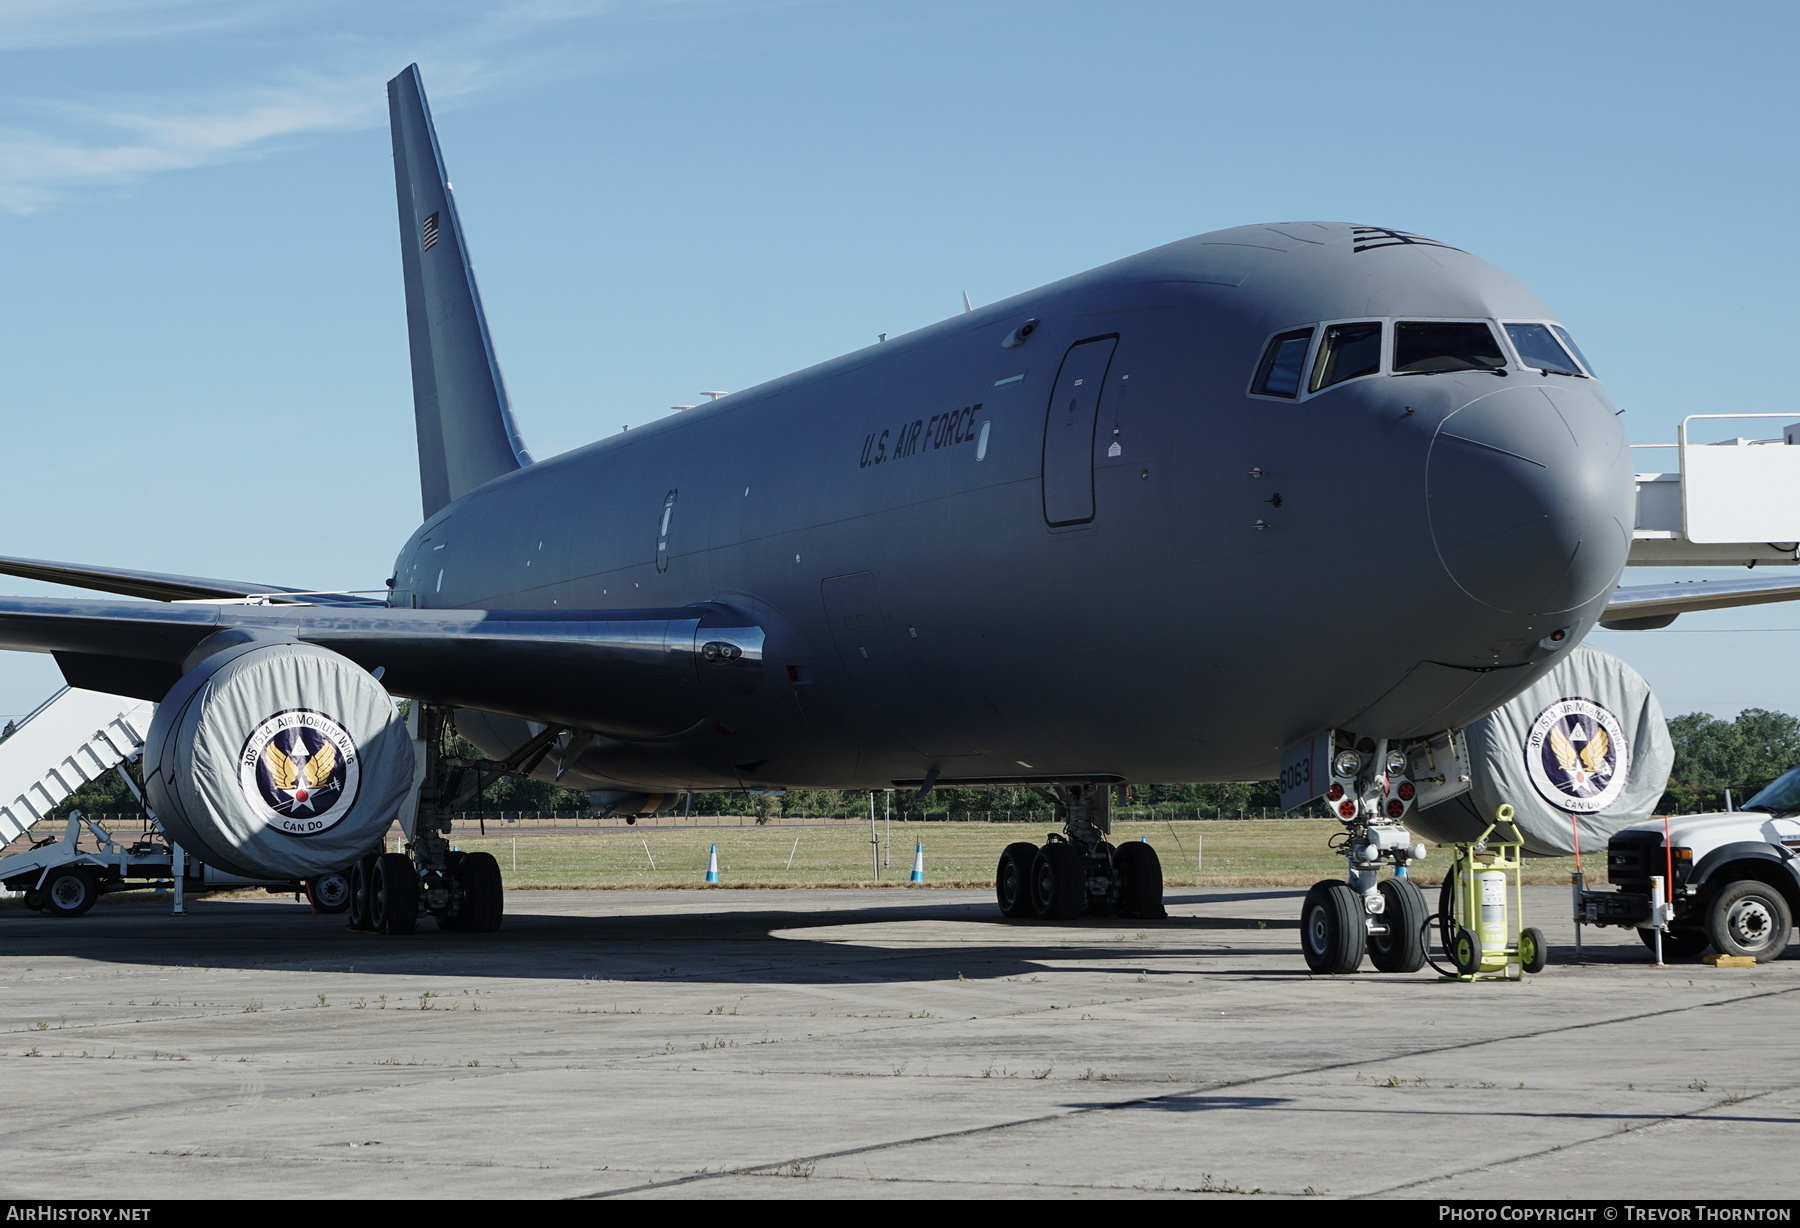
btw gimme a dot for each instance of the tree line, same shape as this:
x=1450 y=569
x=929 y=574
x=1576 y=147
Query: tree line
x=1712 y=755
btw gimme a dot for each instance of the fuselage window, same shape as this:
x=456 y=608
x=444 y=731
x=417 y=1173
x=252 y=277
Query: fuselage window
x=1282 y=364
x=1538 y=347
x=1349 y=350
x=1574 y=349
x=1424 y=347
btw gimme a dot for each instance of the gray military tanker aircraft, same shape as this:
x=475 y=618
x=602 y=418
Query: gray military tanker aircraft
x=1299 y=497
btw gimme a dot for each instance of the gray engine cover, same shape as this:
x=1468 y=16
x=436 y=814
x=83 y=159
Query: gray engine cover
x=1587 y=740
x=279 y=760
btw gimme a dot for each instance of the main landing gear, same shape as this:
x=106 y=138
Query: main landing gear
x=1079 y=871
x=1371 y=792
x=390 y=892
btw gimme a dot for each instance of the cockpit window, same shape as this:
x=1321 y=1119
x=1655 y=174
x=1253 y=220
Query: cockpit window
x=1282 y=364
x=1538 y=347
x=1429 y=348
x=1574 y=349
x=1349 y=350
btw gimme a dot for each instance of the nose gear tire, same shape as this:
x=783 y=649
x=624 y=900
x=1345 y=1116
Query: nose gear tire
x=1332 y=930
x=1012 y=879
x=1402 y=948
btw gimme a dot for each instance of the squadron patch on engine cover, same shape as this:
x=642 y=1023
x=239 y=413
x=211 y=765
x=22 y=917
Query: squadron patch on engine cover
x=1576 y=756
x=300 y=770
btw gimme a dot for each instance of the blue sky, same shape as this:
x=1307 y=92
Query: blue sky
x=204 y=363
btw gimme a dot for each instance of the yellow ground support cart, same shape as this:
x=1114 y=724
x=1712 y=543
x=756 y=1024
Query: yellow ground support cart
x=1480 y=907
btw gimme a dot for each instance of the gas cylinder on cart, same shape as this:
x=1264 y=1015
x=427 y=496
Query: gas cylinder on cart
x=1491 y=928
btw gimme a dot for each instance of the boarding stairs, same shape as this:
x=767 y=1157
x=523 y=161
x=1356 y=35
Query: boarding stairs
x=75 y=736
x=1729 y=503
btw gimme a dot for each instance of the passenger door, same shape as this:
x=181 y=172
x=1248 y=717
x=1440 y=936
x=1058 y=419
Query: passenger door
x=1069 y=424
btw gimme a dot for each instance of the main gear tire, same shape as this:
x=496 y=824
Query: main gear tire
x=395 y=896
x=70 y=891
x=1402 y=948
x=1332 y=931
x=1749 y=917
x=1012 y=880
x=484 y=893
x=1140 y=881
x=1058 y=886
x=362 y=894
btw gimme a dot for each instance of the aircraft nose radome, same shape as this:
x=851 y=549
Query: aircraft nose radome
x=1530 y=496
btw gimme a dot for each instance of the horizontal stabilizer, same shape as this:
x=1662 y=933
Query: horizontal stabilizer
x=467 y=436
x=623 y=673
x=161 y=586
x=1645 y=607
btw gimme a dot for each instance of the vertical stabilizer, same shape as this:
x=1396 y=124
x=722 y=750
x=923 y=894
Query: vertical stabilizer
x=466 y=431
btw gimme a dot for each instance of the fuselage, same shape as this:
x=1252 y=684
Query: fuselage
x=1090 y=531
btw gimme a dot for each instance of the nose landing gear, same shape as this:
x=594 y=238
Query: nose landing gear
x=1371 y=792
x=1079 y=871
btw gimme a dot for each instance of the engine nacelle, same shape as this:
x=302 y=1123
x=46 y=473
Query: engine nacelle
x=1588 y=740
x=616 y=801
x=277 y=760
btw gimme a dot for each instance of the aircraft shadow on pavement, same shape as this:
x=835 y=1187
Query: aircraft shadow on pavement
x=736 y=945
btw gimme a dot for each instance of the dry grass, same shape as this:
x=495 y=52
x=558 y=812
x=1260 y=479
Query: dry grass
x=1234 y=853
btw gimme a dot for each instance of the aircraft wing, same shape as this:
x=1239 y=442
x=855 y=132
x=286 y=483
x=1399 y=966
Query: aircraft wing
x=623 y=673
x=160 y=586
x=1645 y=607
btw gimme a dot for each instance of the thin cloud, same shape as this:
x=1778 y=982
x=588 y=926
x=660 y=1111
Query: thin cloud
x=96 y=141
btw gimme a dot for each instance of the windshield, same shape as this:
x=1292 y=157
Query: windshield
x=1574 y=349
x=1782 y=794
x=1279 y=375
x=1429 y=348
x=1539 y=348
x=1349 y=350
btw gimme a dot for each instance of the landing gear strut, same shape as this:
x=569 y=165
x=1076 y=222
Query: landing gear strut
x=1371 y=792
x=1079 y=871
x=390 y=891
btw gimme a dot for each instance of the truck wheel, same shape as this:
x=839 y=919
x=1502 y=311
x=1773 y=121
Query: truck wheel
x=1749 y=918
x=1402 y=948
x=1012 y=879
x=34 y=900
x=1678 y=944
x=329 y=893
x=1332 y=930
x=70 y=891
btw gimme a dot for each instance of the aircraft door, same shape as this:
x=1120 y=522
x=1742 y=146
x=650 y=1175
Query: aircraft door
x=1069 y=425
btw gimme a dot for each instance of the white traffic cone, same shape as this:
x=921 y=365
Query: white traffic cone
x=712 y=864
x=918 y=870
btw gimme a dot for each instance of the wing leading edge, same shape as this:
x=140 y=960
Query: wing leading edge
x=1645 y=607
x=165 y=586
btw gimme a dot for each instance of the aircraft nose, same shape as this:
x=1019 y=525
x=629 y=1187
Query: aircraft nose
x=1530 y=495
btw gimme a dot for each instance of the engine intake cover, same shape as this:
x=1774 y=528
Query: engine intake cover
x=277 y=760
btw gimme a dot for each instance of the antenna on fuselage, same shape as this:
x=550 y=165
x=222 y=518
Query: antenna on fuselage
x=967 y=305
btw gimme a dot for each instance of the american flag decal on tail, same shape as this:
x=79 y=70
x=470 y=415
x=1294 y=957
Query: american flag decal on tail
x=429 y=231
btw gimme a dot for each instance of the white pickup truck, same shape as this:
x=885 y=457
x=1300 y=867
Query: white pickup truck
x=1732 y=879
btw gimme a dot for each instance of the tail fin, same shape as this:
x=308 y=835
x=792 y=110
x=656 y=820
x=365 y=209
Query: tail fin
x=466 y=431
